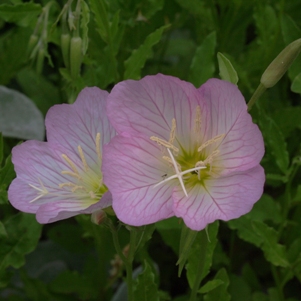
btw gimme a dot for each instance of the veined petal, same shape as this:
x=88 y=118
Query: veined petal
x=41 y=167
x=148 y=106
x=52 y=212
x=242 y=147
x=70 y=126
x=224 y=198
x=131 y=169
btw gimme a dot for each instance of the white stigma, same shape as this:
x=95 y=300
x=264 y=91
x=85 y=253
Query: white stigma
x=179 y=174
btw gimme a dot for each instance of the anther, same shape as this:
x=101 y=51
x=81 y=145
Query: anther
x=82 y=156
x=211 y=141
x=173 y=131
x=71 y=164
x=72 y=174
x=163 y=142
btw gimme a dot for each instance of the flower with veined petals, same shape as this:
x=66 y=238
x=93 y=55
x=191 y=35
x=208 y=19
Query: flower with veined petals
x=62 y=177
x=181 y=151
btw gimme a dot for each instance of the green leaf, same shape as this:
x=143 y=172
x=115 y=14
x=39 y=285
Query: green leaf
x=296 y=84
x=226 y=70
x=145 y=288
x=220 y=293
x=136 y=61
x=98 y=7
x=245 y=230
x=210 y=285
x=23 y=232
x=19 y=117
x=274 y=252
x=287 y=119
x=266 y=209
x=200 y=258
x=274 y=140
x=203 y=63
x=23 y=14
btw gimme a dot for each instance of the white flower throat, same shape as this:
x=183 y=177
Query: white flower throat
x=85 y=183
x=174 y=151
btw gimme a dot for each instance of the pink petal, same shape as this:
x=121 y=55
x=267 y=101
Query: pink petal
x=242 y=148
x=69 y=126
x=148 y=106
x=52 y=212
x=224 y=198
x=131 y=168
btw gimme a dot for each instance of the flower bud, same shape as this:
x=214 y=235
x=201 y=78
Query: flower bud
x=32 y=43
x=98 y=217
x=280 y=64
x=65 y=45
x=75 y=56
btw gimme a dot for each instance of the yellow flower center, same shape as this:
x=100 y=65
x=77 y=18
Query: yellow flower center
x=189 y=167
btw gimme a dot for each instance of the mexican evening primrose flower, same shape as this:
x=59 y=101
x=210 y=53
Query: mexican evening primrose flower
x=62 y=177
x=181 y=151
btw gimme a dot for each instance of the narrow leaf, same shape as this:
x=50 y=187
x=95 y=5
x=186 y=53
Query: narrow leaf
x=210 y=285
x=136 y=61
x=226 y=70
x=274 y=252
x=22 y=14
x=220 y=293
x=23 y=232
x=145 y=288
x=203 y=63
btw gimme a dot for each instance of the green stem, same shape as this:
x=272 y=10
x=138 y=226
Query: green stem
x=259 y=91
x=127 y=260
x=200 y=269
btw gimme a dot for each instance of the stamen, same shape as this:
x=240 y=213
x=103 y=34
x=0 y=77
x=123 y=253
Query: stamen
x=41 y=192
x=197 y=120
x=67 y=184
x=92 y=195
x=163 y=142
x=78 y=187
x=211 y=141
x=71 y=164
x=82 y=156
x=70 y=173
x=97 y=143
x=173 y=131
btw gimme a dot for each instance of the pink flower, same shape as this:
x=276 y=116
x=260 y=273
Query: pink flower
x=62 y=177
x=192 y=153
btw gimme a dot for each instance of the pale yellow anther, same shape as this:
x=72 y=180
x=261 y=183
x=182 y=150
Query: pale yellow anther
x=77 y=188
x=70 y=173
x=197 y=120
x=172 y=135
x=82 y=156
x=71 y=164
x=97 y=144
x=67 y=184
x=211 y=141
x=164 y=143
